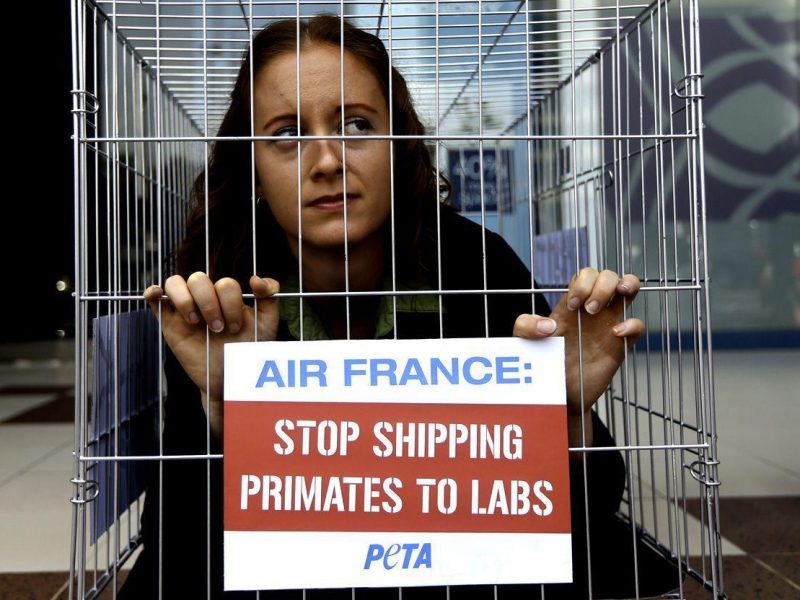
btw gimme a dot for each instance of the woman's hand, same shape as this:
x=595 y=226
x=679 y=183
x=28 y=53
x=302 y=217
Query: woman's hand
x=198 y=308
x=599 y=298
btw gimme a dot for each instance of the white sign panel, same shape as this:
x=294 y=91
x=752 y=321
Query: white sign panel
x=395 y=463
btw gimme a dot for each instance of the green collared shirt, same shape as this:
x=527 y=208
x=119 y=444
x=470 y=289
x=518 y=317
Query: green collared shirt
x=312 y=326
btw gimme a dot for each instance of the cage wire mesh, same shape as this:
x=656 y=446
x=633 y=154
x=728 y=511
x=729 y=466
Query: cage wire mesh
x=574 y=129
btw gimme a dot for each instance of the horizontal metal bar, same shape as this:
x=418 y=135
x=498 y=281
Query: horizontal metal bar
x=518 y=21
x=133 y=457
x=640 y=448
x=237 y=4
x=580 y=449
x=396 y=293
x=357 y=138
x=395 y=50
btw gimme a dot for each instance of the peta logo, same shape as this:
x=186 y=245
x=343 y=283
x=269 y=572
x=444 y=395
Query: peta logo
x=403 y=556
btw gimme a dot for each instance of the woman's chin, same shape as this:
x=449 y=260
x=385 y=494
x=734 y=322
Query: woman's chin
x=333 y=241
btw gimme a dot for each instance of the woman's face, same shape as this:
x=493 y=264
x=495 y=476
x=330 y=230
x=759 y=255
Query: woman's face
x=321 y=171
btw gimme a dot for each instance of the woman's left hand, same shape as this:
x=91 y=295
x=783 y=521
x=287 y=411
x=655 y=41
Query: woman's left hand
x=599 y=298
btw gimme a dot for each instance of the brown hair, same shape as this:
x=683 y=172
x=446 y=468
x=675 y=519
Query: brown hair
x=228 y=201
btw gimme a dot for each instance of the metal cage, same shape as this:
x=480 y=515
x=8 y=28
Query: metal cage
x=574 y=128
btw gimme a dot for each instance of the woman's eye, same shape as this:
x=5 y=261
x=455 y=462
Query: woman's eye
x=286 y=132
x=356 y=126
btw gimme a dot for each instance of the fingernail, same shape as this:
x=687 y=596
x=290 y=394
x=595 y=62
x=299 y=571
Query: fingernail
x=193 y=318
x=618 y=329
x=625 y=286
x=592 y=306
x=217 y=326
x=546 y=326
x=574 y=303
x=234 y=327
x=272 y=285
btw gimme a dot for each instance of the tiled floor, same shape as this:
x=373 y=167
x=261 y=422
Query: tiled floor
x=36 y=462
x=757 y=415
x=768 y=528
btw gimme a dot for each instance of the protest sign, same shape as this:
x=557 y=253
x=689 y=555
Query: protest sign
x=395 y=463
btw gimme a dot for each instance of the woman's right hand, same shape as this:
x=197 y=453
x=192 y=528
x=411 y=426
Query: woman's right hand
x=199 y=309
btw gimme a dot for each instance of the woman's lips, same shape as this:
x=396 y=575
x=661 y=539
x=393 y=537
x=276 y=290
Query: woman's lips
x=332 y=202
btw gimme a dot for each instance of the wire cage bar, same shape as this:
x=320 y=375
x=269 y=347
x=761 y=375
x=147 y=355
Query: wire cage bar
x=574 y=128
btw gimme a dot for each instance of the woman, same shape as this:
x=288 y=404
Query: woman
x=392 y=236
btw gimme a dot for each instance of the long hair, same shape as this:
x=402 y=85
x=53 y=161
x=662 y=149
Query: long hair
x=227 y=203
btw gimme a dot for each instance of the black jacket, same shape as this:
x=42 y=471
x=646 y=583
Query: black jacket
x=191 y=486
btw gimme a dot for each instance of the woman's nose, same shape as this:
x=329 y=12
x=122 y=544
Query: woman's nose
x=325 y=158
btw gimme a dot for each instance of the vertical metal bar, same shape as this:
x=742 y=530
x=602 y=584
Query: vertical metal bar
x=529 y=148
x=150 y=209
x=301 y=300
x=694 y=227
x=629 y=257
x=78 y=533
x=173 y=236
x=622 y=265
x=209 y=398
x=602 y=225
x=675 y=467
x=660 y=234
x=136 y=73
x=574 y=202
x=156 y=87
x=125 y=167
x=115 y=288
x=712 y=494
x=437 y=122
x=344 y=169
x=81 y=328
x=480 y=168
x=254 y=173
x=128 y=254
x=389 y=32
x=646 y=296
x=667 y=370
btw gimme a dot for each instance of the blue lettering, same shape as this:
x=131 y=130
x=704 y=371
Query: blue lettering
x=409 y=548
x=424 y=556
x=391 y=551
x=467 y=370
x=390 y=559
x=383 y=367
x=503 y=369
x=313 y=369
x=413 y=372
x=270 y=374
x=374 y=552
x=350 y=369
x=437 y=366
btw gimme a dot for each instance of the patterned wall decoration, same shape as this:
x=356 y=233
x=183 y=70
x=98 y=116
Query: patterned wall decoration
x=751 y=86
x=752 y=115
